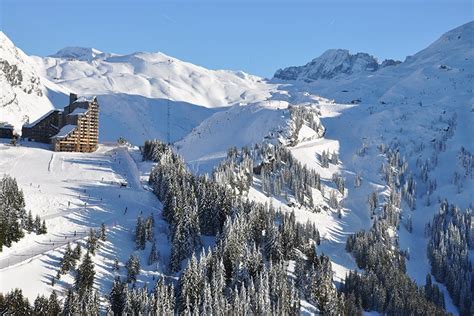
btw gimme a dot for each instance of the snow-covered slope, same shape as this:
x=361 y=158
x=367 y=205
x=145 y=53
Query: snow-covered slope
x=241 y=125
x=152 y=75
x=244 y=125
x=22 y=95
x=138 y=118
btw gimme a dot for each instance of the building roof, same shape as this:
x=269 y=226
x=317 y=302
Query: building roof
x=79 y=111
x=6 y=125
x=41 y=118
x=65 y=131
x=84 y=99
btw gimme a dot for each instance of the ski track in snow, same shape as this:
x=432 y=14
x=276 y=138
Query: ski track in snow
x=50 y=162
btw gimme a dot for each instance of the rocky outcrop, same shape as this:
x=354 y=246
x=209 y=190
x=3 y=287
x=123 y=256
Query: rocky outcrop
x=22 y=94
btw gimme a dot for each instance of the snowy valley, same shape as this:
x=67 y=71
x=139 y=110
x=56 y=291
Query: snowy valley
x=343 y=186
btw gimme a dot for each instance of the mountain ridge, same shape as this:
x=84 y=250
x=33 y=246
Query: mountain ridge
x=335 y=63
x=332 y=63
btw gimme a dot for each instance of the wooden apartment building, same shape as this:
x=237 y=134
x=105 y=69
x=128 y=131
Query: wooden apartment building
x=75 y=128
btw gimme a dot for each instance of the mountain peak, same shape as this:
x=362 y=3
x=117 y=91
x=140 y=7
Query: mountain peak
x=79 y=53
x=332 y=63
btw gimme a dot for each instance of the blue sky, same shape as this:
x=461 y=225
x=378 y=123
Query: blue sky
x=257 y=36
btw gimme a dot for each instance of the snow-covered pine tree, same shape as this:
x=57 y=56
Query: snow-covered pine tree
x=43 y=230
x=149 y=227
x=103 y=232
x=373 y=202
x=68 y=261
x=76 y=253
x=133 y=268
x=84 y=281
x=71 y=305
x=92 y=241
x=116 y=297
x=40 y=305
x=140 y=233
x=30 y=224
x=54 y=308
x=324 y=159
x=190 y=285
x=154 y=256
x=357 y=180
x=37 y=225
x=334 y=158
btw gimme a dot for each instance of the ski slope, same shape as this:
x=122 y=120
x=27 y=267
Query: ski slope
x=74 y=192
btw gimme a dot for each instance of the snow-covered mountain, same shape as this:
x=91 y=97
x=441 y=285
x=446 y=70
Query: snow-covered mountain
x=412 y=120
x=432 y=69
x=333 y=63
x=80 y=53
x=135 y=90
x=151 y=75
x=22 y=94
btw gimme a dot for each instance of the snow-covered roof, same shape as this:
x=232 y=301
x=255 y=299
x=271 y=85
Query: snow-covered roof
x=40 y=119
x=79 y=111
x=65 y=131
x=84 y=99
x=6 y=125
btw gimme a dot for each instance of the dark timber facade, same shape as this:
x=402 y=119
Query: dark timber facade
x=6 y=130
x=75 y=128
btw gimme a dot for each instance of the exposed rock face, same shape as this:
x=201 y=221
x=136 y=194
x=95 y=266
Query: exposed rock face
x=332 y=63
x=21 y=91
x=389 y=62
x=14 y=76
